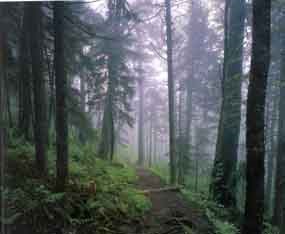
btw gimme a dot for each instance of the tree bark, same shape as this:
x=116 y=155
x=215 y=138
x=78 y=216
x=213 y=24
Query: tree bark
x=271 y=149
x=106 y=147
x=223 y=185
x=61 y=94
x=254 y=207
x=150 y=158
x=182 y=154
x=172 y=143
x=40 y=125
x=3 y=107
x=140 y=125
x=25 y=93
x=279 y=206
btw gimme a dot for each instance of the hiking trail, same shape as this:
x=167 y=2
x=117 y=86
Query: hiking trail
x=171 y=213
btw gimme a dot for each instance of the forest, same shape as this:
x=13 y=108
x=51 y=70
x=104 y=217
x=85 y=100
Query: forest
x=142 y=117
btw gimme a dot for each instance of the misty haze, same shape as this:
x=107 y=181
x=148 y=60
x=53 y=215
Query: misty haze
x=142 y=117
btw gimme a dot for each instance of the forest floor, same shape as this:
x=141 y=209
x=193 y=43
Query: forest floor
x=171 y=213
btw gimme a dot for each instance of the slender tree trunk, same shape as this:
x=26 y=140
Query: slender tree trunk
x=279 y=207
x=51 y=105
x=254 y=207
x=40 y=126
x=223 y=181
x=82 y=104
x=271 y=153
x=3 y=107
x=8 y=105
x=187 y=138
x=171 y=94
x=25 y=95
x=150 y=141
x=140 y=127
x=61 y=94
x=196 y=172
x=154 y=145
x=181 y=141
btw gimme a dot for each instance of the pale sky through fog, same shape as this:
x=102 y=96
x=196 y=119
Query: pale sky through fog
x=179 y=14
x=158 y=63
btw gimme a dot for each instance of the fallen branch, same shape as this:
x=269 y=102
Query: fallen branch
x=160 y=190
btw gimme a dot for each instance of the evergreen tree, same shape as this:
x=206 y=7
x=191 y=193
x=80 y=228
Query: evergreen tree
x=226 y=156
x=119 y=82
x=61 y=94
x=35 y=15
x=279 y=208
x=171 y=95
x=254 y=207
x=25 y=84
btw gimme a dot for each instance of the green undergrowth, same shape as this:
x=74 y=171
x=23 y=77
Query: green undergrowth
x=100 y=195
x=218 y=216
x=161 y=170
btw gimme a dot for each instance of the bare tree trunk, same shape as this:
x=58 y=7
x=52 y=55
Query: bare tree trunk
x=150 y=141
x=196 y=172
x=181 y=141
x=223 y=184
x=40 y=126
x=254 y=207
x=155 y=145
x=187 y=135
x=25 y=92
x=61 y=93
x=271 y=149
x=140 y=125
x=3 y=108
x=279 y=206
x=171 y=95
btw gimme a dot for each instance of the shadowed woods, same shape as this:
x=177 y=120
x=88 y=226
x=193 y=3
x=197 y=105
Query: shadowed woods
x=142 y=116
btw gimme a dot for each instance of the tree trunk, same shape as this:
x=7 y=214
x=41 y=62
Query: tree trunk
x=254 y=207
x=140 y=125
x=25 y=95
x=271 y=149
x=187 y=135
x=172 y=143
x=51 y=105
x=82 y=104
x=106 y=147
x=279 y=206
x=154 y=145
x=181 y=140
x=3 y=108
x=40 y=125
x=229 y=124
x=150 y=141
x=61 y=93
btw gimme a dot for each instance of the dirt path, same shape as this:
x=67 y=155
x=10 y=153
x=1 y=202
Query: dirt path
x=170 y=213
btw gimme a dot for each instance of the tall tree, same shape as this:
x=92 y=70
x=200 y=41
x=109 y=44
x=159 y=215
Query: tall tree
x=3 y=95
x=119 y=83
x=61 y=93
x=40 y=125
x=254 y=205
x=172 y=138
x=140 y=125
x=279 y=206
x=25 y=92
x=223 y=186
